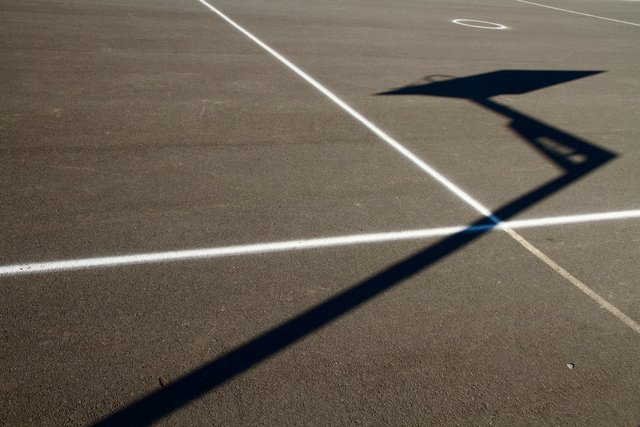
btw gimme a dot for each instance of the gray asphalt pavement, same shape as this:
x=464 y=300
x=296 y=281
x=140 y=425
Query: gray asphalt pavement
x=138 y=126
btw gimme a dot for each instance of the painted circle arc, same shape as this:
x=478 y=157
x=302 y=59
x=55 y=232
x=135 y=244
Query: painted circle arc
x=480 y=24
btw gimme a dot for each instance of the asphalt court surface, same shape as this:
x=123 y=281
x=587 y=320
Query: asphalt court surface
x=144 y=126
x=124 y=150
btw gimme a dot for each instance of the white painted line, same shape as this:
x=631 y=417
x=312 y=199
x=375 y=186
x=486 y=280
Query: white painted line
x=293 y=245
x=415 y=159
x=206 y=253
x=483 y=24
x=571 y=219
x=576 y=282
x=359 y=117
x=579 y=13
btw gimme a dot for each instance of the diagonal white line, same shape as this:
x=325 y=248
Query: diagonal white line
x=420 y=163
x=359 y=117
x=579 y=13
x=576 y=282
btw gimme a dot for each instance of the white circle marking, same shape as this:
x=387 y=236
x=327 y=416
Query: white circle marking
x=487 y=25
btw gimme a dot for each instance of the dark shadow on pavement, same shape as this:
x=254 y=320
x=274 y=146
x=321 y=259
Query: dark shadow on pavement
x=575 y=157
x=488 y=85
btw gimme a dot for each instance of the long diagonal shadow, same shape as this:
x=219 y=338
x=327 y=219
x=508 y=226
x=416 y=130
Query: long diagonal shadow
x=574 y=156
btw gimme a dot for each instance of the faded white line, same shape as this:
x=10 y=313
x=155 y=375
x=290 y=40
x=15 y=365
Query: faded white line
x=293 y=245
x=576 y=282
x=579 y=13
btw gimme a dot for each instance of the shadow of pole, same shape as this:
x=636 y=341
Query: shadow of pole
x=575 y=156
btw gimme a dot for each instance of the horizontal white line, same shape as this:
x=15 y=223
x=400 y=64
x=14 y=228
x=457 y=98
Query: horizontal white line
x=354 y=239
x=580 y=13
x=192 y=254
x=573 y=219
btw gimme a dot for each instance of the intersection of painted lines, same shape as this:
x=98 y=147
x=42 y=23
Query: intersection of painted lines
x=302 y=244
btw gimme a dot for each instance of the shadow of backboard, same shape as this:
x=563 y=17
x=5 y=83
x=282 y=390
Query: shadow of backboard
x=573 y=155
x=489 y=85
